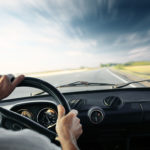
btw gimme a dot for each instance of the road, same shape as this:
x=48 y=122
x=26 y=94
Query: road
x=103 y=75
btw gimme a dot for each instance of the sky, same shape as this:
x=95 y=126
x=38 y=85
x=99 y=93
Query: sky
x=39 y=35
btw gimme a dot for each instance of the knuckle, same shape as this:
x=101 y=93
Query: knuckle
x=81 y=131
x=81 y=126
x=5 y=77
x=72 y=114
x=78 y=120
x=74 y=111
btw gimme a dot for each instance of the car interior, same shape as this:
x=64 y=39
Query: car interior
x=112 y=119
x=89 y=55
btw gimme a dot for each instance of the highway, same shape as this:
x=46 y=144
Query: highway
x=104 y=75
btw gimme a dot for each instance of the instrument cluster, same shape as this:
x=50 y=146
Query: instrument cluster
x=43 y=113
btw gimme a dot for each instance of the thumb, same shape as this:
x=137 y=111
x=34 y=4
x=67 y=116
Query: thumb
x=61 y=111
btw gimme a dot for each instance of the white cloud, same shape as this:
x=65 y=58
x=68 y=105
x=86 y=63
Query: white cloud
x=139 y=53
x=41 y=46
x=131 y=39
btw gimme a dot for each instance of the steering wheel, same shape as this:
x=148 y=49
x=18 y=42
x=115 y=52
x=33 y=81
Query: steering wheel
x=26 y=122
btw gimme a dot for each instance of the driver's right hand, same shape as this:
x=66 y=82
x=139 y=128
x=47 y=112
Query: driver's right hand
x=68 y=127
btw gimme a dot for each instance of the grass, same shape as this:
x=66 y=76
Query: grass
x=137 y=63
x=140 y=69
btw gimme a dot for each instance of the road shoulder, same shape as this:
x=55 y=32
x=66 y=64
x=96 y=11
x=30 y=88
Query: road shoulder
x=129 y=77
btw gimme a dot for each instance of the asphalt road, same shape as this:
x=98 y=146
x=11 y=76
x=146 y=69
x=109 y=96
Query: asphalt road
x=103 y=75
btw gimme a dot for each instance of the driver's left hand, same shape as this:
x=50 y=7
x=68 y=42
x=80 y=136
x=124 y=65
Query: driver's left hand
x=7 y=87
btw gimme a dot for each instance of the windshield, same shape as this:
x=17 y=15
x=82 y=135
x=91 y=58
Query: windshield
x=61 y=42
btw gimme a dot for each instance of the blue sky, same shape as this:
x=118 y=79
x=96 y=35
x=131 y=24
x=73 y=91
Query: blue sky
x=38 y=35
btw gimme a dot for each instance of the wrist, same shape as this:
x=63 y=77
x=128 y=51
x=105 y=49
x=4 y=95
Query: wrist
x=69 y=145
x=67 y=137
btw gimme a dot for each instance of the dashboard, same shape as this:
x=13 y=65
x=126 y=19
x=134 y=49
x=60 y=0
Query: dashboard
x=120 y=117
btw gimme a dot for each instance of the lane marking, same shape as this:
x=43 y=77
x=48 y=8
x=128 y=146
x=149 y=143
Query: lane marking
x=125 y=81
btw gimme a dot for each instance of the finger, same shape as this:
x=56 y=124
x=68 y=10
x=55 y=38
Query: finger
x=1 y=78
x=61 y=111
x=57 y=138
x=72 y=113
x=77 y=120
x=17 y=80
x=11 y=77
x=4 y=78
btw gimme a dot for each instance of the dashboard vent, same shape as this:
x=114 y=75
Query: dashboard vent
x=113 y=102
x=76 y=103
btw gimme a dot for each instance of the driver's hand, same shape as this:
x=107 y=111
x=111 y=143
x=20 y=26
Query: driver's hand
x=7 y=87
x=68 y=126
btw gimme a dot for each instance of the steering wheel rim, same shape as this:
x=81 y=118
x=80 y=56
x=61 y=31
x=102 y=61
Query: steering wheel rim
x=46 y=87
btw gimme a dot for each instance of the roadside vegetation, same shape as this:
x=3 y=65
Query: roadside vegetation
x=138 y=68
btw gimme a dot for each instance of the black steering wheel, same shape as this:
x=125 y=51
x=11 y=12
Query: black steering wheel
x=26 y=122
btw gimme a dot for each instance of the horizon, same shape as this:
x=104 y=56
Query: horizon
x=82 y=67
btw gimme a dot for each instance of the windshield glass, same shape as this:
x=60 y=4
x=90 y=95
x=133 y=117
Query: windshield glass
x=100 y=41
